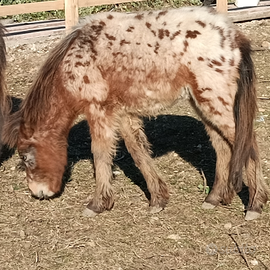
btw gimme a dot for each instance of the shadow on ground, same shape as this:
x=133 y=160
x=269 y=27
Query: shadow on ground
x=182 y=134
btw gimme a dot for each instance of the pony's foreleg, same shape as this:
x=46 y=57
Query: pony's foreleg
x=103 y=145
x=222 y=190
x=138 y=146
x=258 y=190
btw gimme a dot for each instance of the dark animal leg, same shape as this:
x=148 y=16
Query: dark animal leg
x=138 y=146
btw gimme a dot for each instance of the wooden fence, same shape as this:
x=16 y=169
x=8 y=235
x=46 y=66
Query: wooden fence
x=71 y=8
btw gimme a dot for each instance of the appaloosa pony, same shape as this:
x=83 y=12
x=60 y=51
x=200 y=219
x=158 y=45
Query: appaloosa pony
x=116 y=68
x=3 y=101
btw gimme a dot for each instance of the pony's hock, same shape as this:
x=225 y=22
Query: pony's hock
x=115 y=68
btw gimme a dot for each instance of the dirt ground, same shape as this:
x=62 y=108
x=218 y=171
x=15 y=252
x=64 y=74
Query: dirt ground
x=53 y=234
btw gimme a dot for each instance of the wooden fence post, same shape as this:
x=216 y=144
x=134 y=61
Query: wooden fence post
x=71 y=14
x=222 y=6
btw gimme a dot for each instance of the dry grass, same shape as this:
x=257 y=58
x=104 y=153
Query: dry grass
x=54 y=234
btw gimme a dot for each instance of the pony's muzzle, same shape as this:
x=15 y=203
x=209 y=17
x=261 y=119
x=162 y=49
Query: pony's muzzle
x=40 y=190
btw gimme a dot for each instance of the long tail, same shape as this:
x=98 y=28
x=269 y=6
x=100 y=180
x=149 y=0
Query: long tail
x=245 y=108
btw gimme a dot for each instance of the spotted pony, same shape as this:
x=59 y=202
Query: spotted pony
x=116 y=68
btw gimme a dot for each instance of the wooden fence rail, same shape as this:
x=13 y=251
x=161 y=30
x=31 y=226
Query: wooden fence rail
x=71 y=8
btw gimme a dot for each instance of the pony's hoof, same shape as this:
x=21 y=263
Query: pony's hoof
x=89 y=213
x=251 y=215
x=207 y=205
x=155 y=209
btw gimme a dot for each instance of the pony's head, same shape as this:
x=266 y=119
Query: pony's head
x=43 y=156
x=44 y=166
x=39 y=129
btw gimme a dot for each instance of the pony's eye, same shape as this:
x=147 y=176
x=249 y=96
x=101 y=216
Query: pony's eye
x=23 y=157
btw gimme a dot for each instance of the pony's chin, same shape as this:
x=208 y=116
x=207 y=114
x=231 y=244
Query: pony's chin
x=40 y=190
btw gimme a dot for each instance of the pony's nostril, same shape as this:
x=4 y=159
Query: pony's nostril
x=41 y=194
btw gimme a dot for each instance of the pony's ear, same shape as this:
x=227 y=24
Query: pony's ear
x=11 y=128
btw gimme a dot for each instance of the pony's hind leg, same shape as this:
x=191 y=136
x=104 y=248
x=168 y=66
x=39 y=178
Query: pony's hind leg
x=222 y=191
x=258 y=190
x=103 y=129
x=138 y=146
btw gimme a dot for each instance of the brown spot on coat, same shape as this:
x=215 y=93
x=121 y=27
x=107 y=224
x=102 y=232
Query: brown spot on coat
x=219 y=70
x=156 y=47
x=79 y=64
x=139 y=16
x=70 y=75
x=160 y=33
x=97 y=31
x=185 y=45
x=110 y=17
x=223 y=101
x=207 y=89
x=154 y=32
x=163 y=32
x=175 y=34
x=86 y=79
x=130 y=29
x=93 y=57
x=216 y=63
x=116 y=54
x=202 y=24
x=123 y=41
x=192 y=34
x=200 y=58
x=148 y=25
x=110 y=37
x=167 y=33
x=161 y=13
